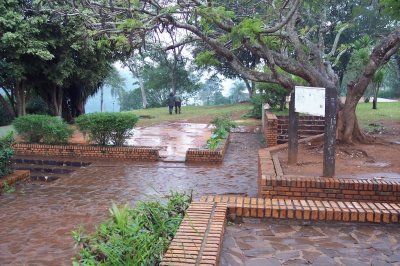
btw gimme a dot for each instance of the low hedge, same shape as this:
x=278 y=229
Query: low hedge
x=107 y=128
x=6 y=154
x=42 y=128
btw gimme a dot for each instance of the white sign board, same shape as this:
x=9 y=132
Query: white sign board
x=309 y=100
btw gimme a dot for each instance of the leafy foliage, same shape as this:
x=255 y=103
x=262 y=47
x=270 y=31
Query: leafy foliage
x=36 y=128
x=107 y=128
x=6 y=153
x=224 y=121
x=133 y=236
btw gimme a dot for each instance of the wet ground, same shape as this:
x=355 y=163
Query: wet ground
x=174 y=139
x=272 y=242
x=37 y=220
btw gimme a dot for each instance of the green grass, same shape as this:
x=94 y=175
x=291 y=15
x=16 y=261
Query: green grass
x=386 y=111
x=192 y=113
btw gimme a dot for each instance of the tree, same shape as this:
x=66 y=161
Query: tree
x=21 y=44
x=236 y=93
x=289 y=37
x=377 y=81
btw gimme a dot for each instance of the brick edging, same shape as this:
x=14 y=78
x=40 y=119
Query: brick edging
x=88 y=151
x=272 y=183
x=198 y=240
x=16 y=176
x=313 y=210
x=207 y=155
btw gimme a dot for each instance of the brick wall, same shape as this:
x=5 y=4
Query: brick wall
x=270 y=129
x=86 y=151
x=206 y=155
x=272 y=183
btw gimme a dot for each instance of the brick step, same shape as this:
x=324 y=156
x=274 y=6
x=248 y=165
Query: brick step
x=45 y=169
x=60 y=162
x=17 y=175
x=344 y=211
x=198 y=240
x=301 y=132
x=306 y=127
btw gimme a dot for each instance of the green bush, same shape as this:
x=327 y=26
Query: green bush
x=36 y=105
x=5 y=117
x=133 y=236
x=107 y=128
x=257 y=103
x=36 y=128
x=6 y=153
x=224 y=121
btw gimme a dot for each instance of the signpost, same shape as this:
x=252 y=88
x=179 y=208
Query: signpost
x=318 y=102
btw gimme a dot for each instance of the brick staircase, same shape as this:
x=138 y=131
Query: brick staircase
x=308 y=126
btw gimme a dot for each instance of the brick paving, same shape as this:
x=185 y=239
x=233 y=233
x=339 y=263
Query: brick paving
x=37 y=220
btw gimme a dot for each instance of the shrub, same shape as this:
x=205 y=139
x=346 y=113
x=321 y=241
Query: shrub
x=224 y=121
x=133 y=236
x=36 y=128
x=257 y=103
x=107 y=128
x=6 y=153
x=36 y=105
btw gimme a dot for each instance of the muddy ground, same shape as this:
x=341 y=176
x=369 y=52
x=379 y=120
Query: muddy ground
x=379 y=160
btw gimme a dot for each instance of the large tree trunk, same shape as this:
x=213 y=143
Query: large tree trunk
x=4 y=104
x=57 y=100
x=142 y=90
x=249 y=86
x=20 y=96
x=348 y=128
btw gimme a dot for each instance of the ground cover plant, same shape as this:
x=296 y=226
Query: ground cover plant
x=6 y=153
x=133 y=236
x=107 y=128
x=45 y=128
x=223 y=125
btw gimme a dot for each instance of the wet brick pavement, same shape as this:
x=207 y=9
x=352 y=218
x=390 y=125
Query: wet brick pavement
x=257 y=243
x=37 y=220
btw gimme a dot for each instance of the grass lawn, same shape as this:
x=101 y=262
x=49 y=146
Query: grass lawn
x=201 y=114
x=386 y=111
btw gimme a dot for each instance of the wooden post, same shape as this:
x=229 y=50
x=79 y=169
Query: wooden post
x=330 y=132
x=293 y=144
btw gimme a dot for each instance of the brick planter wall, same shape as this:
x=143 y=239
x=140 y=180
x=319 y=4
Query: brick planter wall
x=14 y=177
x=86 y=151
x=272 y=183
x=206 y=155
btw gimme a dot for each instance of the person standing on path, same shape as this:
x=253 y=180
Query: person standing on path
x=178 y=102
x=171 y=102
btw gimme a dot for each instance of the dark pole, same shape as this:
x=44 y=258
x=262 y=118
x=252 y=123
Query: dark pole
x=330 y=132
x=293 y=144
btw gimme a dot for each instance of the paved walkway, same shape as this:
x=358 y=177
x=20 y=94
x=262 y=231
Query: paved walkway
x=174 y=139
x=257 y=242
x=37 y=220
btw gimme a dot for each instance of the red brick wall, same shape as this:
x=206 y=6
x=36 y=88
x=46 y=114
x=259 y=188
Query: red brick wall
x=272 y=184
x=206 y=155
x=270 y=129
x=131 y=153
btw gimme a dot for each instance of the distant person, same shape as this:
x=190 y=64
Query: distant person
x=178 y=102
x=171 y=102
